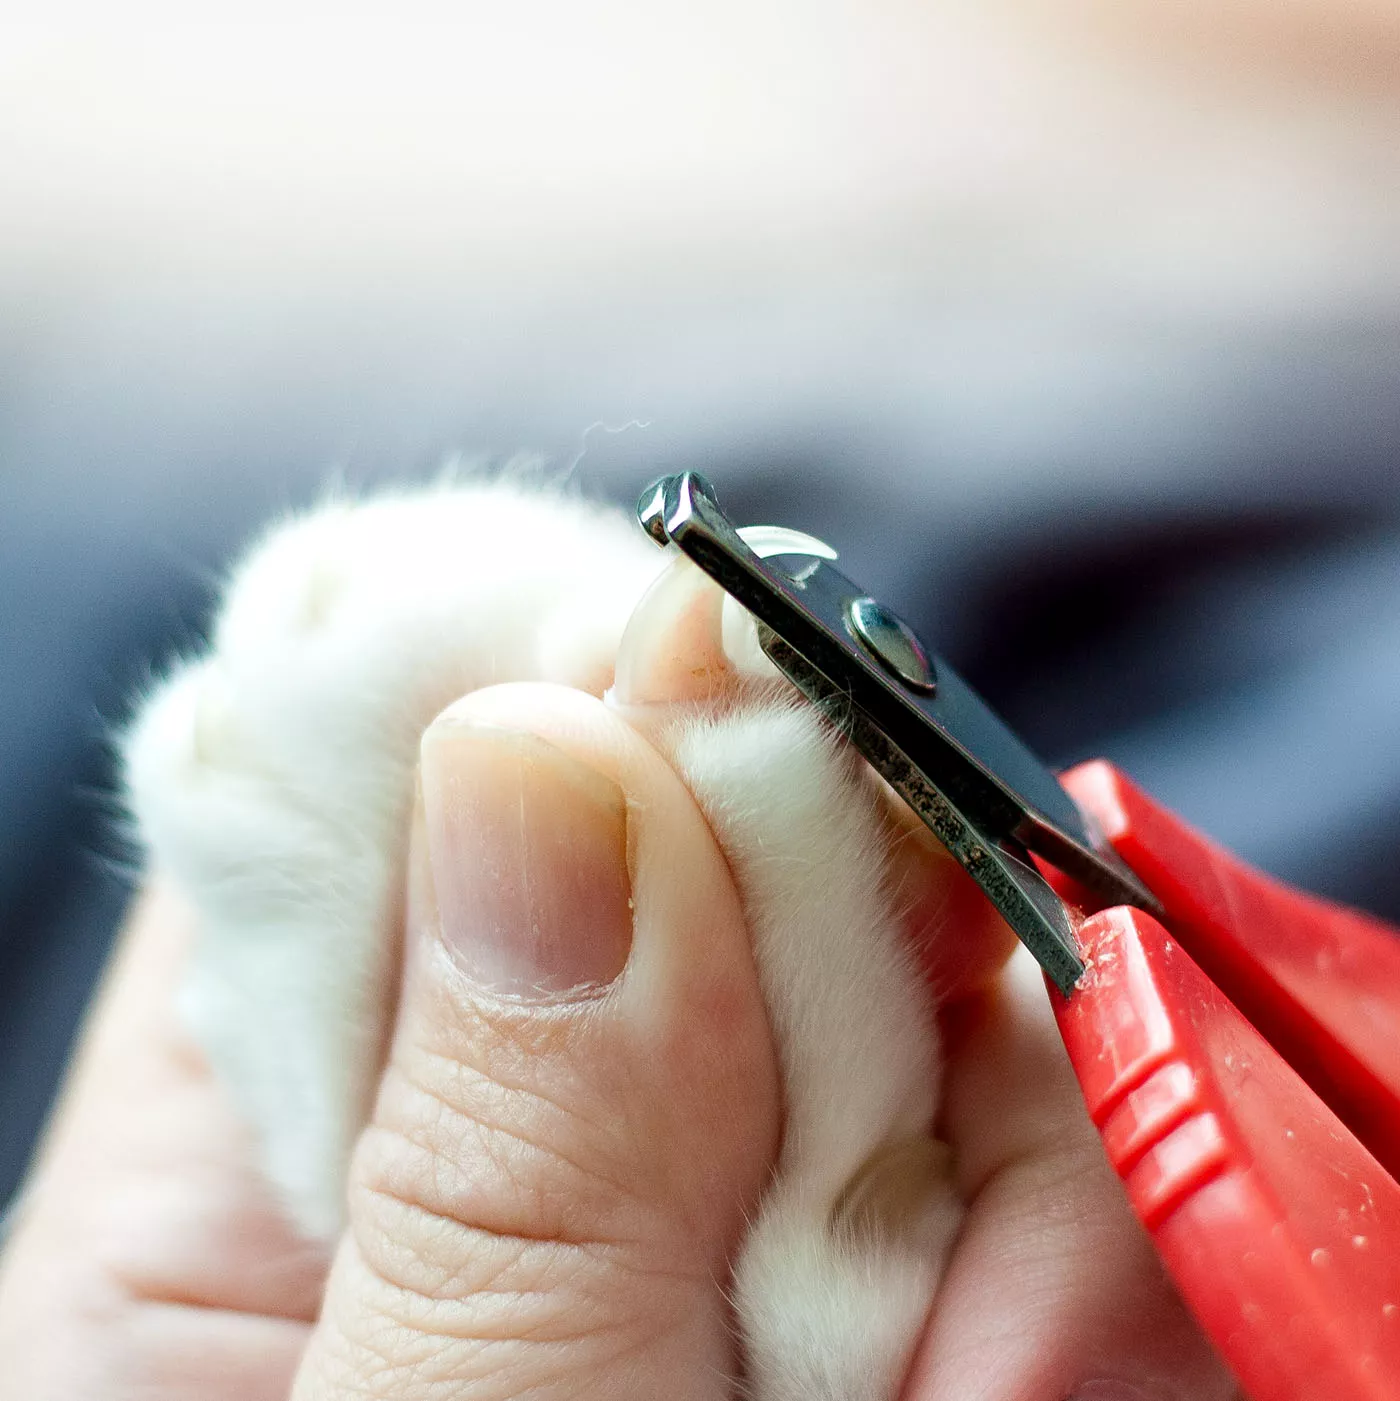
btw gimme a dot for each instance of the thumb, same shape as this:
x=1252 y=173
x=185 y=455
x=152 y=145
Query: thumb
x=580 y=1103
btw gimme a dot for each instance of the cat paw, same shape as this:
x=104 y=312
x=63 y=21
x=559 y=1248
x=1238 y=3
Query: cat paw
x=271 y=777
x=836 y=1278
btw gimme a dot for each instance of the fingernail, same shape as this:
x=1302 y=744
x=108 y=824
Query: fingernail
x=527 y=847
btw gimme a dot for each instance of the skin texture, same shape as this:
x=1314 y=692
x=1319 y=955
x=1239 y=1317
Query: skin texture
x=546 y=1197
x=147 y=1253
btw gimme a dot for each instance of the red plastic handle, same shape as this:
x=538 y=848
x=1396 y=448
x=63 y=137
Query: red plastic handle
x=1280 y=1228
x=1281 y=1231
x=1321 y=983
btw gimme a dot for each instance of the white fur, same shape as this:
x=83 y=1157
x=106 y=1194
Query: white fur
x=829 y=1301
x=271 y=780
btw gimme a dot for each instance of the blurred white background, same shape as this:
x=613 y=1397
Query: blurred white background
x=966 y=224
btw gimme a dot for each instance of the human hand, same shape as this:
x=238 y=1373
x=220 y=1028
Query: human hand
x=549 y=1192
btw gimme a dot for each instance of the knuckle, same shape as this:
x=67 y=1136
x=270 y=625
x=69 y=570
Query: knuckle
x=515 y=1221
x=489 y=1217
x=511 y=1160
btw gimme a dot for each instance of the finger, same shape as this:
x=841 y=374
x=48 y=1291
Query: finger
x=1054 y=1290
x=687 y=644
x=148 y=1255
x=580 y=1104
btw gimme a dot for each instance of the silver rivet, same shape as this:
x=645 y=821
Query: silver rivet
x=892 y=643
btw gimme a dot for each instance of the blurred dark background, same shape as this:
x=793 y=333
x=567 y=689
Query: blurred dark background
x=1080 y=339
